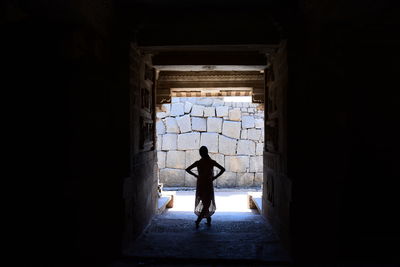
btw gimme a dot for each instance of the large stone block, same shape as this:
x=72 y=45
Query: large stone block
x=246 y=104
x=199 y=124
x=219 y=158
x=172 y=177
x=171 y=125
x=254 y=134
x=159 y=142
x=160 y=127
x=231 y=129
x=222 y=111
x=190 y=180
x=184 y=123
x=226 y=145
x=259 y=123
x=256 y=164
x=177 y=109
x=235 y=115
x=258 y=179
x=214 y=125
x=161 y=115
x=259 y=149
x=237 y=163
x=175 y=159
x=246 y=147
x=175 y=100
x=161 y=157
x=205 y=101
x=210 y=140
x=191 y=156
x=209 y=112
x=245 y=179
x=227 y=179
x=188 y=107
x=197 y=111
x=251 y=110
x=243 y=134
x=169 y=142
x=248 y=122
x=188 y=141
x=166 y=108
x=218 y=102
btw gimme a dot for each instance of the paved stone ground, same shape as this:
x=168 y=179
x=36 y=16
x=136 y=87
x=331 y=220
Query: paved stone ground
x=238 y=236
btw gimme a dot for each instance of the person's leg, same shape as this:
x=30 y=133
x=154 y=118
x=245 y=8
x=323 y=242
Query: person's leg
x=204 y=211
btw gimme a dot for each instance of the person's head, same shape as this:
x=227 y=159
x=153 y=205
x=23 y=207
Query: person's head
x=204 y=152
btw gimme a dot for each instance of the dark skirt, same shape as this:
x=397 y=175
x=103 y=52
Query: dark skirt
x=204 y=198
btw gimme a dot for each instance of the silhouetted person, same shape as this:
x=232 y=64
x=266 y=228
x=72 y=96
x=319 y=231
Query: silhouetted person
x=205 y=202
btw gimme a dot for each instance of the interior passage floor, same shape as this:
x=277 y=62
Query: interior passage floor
x=238 y=235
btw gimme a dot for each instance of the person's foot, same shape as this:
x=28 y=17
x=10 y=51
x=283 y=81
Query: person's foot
x=208 y=221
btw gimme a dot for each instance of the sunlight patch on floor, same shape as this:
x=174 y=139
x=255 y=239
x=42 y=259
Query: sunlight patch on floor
x=225 y=202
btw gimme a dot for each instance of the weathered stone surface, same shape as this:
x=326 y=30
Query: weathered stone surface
x=171 y=125
x=259 y=149
x=218 y=102
x=197 y=111
x=258 y=179
x=254 y=134
x=160 y=127
x=243 y=134
x=235 y=115
x=175 y=100
x=205 y=101
x=166 y=108
x=199 y=124
x=227 y=179
x=159 y=142
x=222 y=111
x=251 y=110
x=172 y=177
x=227 y=146
x=184 y=123
x=231 y=129
x=245 y=104
x=246 y=147
x=259 y=123
x=237 y=163
x=188 y=141
x=169 y=142
x=219 y=158
x=191 y=157
x=177 y=109
x=209 y=112
x=228 y=104
x=256 y=164
x=210 y=140
x=238 y=104
x=175 y=159
x=262 y=136
x=248 y=122
x=161 y=115
x=245 y=179
x=214 y=125
x=161 y=157
x=190 y=180
x=188 y=107
x=243 y=110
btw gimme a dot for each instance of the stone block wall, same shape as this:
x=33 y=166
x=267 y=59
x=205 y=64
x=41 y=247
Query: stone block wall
x=232 y=131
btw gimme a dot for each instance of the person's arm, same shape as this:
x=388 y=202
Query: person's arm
x=222 y=170
x=189 y=169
